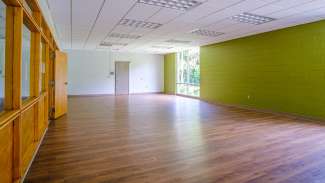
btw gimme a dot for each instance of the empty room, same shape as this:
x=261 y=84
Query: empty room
x=162 y=91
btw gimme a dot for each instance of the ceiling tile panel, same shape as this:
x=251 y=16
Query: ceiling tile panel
x=111 y=14
x=212 y=15
x=165 y=15
x=142 y=11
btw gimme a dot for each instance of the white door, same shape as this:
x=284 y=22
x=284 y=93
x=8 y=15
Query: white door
x=122 y=78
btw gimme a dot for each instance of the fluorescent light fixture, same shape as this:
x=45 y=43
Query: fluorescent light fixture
x=207 y=33
x=139 y=24
x=252 y=18
x=124 y=36
x=109 y=44
x=162 y=47
x=178 y=41
x=182 y=5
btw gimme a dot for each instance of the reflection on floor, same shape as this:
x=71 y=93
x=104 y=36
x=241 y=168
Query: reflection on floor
x=161 y=138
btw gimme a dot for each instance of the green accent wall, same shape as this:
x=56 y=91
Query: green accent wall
x=281 y=71
x=170 y=73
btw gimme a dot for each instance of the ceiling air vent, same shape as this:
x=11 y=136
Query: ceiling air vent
x=207 y=33
x=139 y=24
x=182 y=5
x=109 y=44
x=124 y=36
x=162 y=47
x=178 y=41
x=252 y=18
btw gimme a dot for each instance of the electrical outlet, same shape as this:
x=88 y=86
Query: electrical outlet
x=248 y=97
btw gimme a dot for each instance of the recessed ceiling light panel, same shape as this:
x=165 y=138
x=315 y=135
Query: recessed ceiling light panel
x=178 y=41
x=182 y=5
x=139 y=24
x=162 y=47
x=124 y=36
x=207 y=33
x=252 y=18
x=109 y=44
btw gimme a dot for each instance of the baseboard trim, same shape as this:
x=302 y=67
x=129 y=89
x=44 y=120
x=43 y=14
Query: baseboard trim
x=268 y=111
x=187 y=96
x=34 y=155
x=103 y=95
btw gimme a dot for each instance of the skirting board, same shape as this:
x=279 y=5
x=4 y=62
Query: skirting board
x=290 y=115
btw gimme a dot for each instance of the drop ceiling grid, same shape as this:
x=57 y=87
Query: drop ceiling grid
x=238 y=4
x=111 y=14
x=141 y=12
x=90 y=27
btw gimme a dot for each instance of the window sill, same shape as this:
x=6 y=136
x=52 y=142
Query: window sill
x=8 y=116
x=28 y=103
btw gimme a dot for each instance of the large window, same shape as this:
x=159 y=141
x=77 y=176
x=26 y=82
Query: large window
x=2 y=52
x=25 y=66
x=188 y=72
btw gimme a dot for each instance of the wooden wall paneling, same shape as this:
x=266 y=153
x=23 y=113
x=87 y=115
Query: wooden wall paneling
x=17 y=56
x=9 y=56
x=30 y=22
x=33 y=5
x=42 y=125
x=12 y=2
x=6 y=153
x=17 y=154
x=22 y=125
x=28 y=136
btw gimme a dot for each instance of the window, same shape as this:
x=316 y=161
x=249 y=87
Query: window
x=42 y=67
x=25 y=74
x=2 y=52
x=188 y=72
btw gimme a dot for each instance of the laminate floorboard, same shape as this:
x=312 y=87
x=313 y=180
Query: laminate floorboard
x=171 y=139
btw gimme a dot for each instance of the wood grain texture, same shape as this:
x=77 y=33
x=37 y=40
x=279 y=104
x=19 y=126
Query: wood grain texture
x=6 y=153
x=61 y=89
x=169 y=139
x=23 y=123
x=28 y=136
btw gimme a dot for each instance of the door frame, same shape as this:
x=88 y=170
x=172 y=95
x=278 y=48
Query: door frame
x=116 y=62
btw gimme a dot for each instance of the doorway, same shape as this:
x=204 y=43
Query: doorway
x=122 y=78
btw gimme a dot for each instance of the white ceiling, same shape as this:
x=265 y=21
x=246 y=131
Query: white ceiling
x=84 y=24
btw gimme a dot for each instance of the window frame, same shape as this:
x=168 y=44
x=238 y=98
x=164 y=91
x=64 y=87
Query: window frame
x=34 y=59
x=182 y=58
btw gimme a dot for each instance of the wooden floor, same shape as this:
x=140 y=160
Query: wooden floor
x=168 y=139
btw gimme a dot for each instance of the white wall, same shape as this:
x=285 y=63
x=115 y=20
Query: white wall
x=89 y=72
